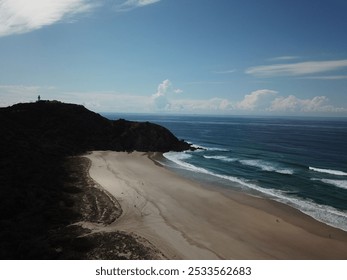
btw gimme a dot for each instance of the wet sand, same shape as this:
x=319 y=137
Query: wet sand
x=185 y=220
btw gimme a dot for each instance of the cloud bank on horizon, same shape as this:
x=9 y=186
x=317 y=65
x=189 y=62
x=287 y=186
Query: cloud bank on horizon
x=166 y=58
x=168 y=100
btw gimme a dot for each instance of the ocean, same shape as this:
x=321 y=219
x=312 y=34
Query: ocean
x=301 y=162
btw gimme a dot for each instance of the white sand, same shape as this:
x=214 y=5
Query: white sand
x=186 y=221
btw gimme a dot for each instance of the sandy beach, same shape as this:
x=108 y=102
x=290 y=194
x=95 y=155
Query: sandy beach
x=185 y=220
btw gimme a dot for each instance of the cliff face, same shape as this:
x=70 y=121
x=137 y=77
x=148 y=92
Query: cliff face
x=35 y=141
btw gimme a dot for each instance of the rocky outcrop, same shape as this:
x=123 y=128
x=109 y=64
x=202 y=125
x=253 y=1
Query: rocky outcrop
x=145 y=136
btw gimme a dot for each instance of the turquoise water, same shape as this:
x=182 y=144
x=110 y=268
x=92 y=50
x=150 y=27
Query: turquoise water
x=299 y=162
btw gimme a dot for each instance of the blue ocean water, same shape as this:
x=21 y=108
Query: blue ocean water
x=299 y=162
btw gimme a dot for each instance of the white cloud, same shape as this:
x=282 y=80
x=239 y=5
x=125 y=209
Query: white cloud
x=286 y=57
x=296 y=69
x=160 y=100
x=318 y=104
x=163 y=88
x=12 y=94
x=225 y=71
x=178 y=91
x=268 y=101
x=96 y=101
x=21 y=16
x=208 y=83
x=109 y=101
x=141 y=3
x=214 y=105
x=164 y=100
x=256 y=99
x=132 y=4
x=336 y=77
x=259 y=101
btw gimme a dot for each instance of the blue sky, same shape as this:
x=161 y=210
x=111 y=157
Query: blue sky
x=226 y=57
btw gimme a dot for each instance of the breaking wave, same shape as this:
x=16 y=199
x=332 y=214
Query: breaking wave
x=328 y=171
x=324 y=213
x=337 y=183
x=222 y=158
x=266 y=166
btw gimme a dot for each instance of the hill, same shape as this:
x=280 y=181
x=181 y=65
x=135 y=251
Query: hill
x=44 y=189
x=70 y=128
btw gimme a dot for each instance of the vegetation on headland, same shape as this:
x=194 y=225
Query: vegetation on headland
x=43 y=189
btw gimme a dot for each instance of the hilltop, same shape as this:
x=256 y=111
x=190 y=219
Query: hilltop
x=70 y=128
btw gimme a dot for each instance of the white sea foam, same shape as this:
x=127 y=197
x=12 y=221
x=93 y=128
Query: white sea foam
x=178 y=158
x=208 y=148
x=266 y=166
x=337 y=183
x=181 y=156
x=328 y=171
x=323 y=213
x=222 y=158
x=217 y=149
x=197 y=146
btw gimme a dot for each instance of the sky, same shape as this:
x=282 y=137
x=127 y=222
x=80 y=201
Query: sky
x=225 y=57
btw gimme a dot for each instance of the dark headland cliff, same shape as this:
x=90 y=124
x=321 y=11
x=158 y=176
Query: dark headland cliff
x=45 y=190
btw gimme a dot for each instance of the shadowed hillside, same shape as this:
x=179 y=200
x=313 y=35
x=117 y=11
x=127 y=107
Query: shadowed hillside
x=71 y=129
x=39 y=198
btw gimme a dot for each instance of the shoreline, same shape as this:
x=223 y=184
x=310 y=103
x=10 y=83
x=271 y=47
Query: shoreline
x=185 y=220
